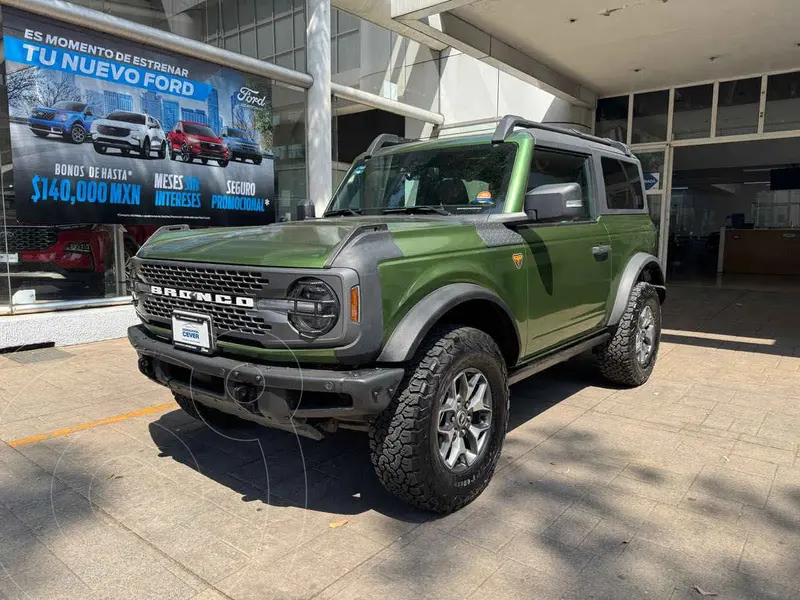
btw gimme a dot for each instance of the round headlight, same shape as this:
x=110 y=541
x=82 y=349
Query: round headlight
x=314 y=307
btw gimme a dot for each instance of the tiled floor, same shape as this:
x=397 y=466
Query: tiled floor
x=689 y=483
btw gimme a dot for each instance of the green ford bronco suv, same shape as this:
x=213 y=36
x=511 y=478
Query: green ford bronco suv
x=442 y=272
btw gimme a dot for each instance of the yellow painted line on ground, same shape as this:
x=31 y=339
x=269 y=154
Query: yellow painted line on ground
x=90 y=425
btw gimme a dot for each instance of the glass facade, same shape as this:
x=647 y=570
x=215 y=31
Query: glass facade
x=650 y=117
x=611 y=119
x=68 y=261
x=692 y=112
x=61 y=261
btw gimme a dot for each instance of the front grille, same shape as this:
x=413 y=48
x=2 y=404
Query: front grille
x=27 y=239
x=221 y=280
x=210 y=146
x=43 y=114
x=116 y=131
x=227 y=319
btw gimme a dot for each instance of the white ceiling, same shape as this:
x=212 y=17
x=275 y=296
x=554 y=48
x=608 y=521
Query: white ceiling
x=670 y=42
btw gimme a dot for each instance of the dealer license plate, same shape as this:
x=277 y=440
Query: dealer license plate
x=192 y=331
x=11 y=259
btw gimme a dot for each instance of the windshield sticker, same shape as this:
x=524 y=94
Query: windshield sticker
x=484 y=197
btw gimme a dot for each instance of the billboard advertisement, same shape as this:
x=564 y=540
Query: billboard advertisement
x=104 y=130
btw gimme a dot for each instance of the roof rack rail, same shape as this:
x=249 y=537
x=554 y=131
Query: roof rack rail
x=509 y=122
x=383 y=140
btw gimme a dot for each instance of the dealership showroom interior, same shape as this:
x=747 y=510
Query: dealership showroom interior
x=125 y=120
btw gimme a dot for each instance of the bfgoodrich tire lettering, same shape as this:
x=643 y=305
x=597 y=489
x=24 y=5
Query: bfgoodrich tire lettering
x=618 y=358
x=404 y=444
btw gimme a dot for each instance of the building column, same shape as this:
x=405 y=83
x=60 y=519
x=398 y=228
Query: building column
x=319 y=163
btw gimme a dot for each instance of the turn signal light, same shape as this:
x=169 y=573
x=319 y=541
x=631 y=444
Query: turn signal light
x=355 y=304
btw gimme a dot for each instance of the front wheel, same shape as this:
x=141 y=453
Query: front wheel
x=145 y=151
x=257 y=161
x=77 y=134
x=100 y=148
x=437 y=444
x=629 y=356
x=162 y=150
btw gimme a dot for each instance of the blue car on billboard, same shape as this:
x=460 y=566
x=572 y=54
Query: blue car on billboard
x=241 y=145
x=70 y=120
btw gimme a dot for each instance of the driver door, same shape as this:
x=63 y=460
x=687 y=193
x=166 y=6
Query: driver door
x=569 y=277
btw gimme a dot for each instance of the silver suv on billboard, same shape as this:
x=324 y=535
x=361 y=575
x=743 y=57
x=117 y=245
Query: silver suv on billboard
x=129 y=132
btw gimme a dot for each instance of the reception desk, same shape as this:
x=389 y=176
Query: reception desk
x=759 y=251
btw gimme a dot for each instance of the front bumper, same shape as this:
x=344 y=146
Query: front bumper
x=55 y=127
x=124 y=143
x=286 y=397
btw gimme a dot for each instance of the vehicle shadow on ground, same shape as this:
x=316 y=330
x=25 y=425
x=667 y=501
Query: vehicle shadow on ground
x=334 y=475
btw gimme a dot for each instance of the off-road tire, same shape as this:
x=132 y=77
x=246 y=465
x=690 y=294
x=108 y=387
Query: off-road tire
x=403 y=439
x=617 y=357
x=210 y=416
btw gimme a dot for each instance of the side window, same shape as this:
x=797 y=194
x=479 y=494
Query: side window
x=89 y=111
x=552 y=166
x=623 y=188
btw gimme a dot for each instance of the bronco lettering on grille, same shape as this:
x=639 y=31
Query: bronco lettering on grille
x=224 y=299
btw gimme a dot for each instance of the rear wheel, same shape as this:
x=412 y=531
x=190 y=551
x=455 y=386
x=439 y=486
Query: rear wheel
x=257 y=160
x=437 y=444
x=204 y=161
x=209 y=416
x=629 y=356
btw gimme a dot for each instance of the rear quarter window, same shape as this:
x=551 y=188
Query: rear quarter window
x=623 y=187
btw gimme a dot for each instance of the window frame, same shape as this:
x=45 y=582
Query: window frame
x=624 y=163
x=591 y=178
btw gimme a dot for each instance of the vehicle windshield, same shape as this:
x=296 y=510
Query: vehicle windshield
x=238 y=133
x=70 y=106
x=456 y=180
x=126 y=117
x=194 y=129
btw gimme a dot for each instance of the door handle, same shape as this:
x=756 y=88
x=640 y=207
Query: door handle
x=601 y=252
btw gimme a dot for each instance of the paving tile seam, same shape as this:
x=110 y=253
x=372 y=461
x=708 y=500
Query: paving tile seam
x=127 y=529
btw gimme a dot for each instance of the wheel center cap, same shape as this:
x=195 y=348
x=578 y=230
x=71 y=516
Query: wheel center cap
x=462 y=418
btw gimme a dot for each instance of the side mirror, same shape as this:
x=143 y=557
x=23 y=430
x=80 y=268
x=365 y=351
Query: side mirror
x=554 y=202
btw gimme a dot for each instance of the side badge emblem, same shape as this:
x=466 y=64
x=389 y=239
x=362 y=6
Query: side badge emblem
x=517 y=257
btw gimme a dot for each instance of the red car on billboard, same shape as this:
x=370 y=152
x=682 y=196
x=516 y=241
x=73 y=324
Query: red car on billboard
x=189 y=141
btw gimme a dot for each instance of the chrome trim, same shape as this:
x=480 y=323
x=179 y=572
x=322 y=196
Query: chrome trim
x=105 y=23
x=39 y=307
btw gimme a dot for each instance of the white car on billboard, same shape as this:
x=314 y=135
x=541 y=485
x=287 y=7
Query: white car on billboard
x=129 y=132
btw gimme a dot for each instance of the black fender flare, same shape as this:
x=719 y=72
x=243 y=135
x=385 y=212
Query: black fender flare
x=418 y=322
x=633 y=270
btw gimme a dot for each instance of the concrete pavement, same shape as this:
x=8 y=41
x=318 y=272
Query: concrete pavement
x=689 y=484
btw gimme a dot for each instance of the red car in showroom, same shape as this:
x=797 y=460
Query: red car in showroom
x=65 y=260
x=189 y=141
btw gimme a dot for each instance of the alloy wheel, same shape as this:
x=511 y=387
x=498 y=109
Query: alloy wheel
x=645 y=335
x=465 y=420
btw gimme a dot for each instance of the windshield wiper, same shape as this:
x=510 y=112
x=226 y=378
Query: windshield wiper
x=343 y=212
x=410 y=210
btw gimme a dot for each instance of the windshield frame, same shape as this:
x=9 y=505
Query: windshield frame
x=127 y=115
x=71 y=104
x=508 y=189
x=199 y=126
